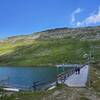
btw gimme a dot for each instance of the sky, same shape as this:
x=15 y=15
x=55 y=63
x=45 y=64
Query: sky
x=18 y=17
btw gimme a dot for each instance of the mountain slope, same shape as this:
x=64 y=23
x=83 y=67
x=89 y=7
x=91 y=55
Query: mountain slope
x=50 y=47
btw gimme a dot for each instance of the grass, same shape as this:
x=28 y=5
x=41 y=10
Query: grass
x=84 y=98
x=95 y=78
x=44 y=52
x=24 y=96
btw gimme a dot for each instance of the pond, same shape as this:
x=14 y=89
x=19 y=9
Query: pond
x=23 y=77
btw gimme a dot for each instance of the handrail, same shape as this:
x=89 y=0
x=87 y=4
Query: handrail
x=39 y=83
x=60 y=77
x=64 y=75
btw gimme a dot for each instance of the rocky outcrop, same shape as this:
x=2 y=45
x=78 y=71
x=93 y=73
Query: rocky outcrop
x=83 y=33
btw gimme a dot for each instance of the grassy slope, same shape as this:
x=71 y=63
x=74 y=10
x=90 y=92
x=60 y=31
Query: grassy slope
x=44 y=52
x=95 y=78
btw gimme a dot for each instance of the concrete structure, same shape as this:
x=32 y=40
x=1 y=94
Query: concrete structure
x=78 y=80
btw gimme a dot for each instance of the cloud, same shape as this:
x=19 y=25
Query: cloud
x=77 y=11
x=92 y=19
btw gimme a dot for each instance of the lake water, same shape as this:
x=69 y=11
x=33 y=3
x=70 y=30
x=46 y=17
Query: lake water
x=24 y=77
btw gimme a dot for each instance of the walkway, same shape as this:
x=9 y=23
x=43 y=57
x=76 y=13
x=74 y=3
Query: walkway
x=78 y=80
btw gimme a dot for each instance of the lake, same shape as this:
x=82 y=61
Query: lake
x=23 y=77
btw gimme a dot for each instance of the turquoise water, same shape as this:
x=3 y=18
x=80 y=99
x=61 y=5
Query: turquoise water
x=24 y=77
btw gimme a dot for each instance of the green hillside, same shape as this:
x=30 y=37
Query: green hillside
x=41 y=51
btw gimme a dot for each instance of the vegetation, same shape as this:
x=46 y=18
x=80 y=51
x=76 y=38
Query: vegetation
x=95 y=78
x=44 y=52
x=50 y=47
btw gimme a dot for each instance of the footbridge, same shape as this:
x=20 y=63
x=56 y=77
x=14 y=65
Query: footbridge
x=72 y=79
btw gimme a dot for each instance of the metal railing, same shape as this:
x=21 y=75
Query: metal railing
x=64 y=75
